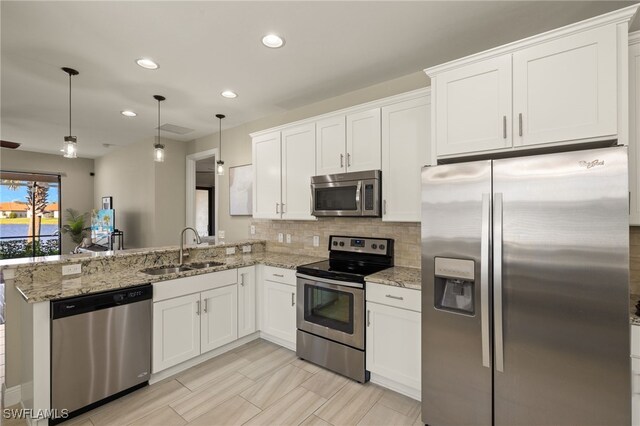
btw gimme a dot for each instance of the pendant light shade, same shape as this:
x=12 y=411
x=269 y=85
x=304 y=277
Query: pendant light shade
x=220 y=163
x=70 y=147
x=158 y=148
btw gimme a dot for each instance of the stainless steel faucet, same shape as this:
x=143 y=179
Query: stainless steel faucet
x=182 y=255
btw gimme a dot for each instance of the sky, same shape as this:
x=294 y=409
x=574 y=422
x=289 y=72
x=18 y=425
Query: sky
x=20 y=194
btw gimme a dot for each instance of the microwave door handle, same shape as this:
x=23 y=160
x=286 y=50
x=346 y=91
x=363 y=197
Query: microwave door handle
x=358 y=190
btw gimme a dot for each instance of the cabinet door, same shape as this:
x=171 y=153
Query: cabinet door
x=635 y=389
x=219 y=317
x=279 y=318
x=473 y=107
x=246 y=301
x=298 y=165
x=566 y=89
x=176 y=331
x=363 y=141
x=331 y=146
x=634 y=132
x=266 y=176
x=405 y=138
x=393 y=344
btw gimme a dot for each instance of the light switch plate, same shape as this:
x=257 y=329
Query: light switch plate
x=288 y=238
x=74 y=268
x=253 y=229
x=280 y=237
x=231 y=250
x=316 y=241
x=246 y=249
x=220 y=234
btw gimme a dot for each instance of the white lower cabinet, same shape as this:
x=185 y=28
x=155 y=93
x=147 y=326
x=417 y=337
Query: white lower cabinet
x=279 y=311
x=246 y=301
x=635 y=389
x=393 y=344
x=219 y=317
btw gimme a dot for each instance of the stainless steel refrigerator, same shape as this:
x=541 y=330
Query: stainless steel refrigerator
x=525 y=291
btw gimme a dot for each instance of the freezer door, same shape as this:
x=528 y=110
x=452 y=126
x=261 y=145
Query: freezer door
x=561 y=282
x=456 y=373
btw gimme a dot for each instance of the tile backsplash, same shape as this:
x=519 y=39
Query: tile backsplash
x=406 y=235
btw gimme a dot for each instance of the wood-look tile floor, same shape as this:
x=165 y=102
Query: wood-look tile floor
x=256 y=384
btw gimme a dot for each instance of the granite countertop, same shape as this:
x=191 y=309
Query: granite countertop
x=70 y=286
x=635 y=319
x=399 y=276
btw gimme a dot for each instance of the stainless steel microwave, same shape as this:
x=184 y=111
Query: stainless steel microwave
x=347 y=194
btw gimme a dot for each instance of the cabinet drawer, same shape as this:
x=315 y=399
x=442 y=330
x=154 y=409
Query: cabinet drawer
x=635 y=341
x=399 y=297
x=280 y=275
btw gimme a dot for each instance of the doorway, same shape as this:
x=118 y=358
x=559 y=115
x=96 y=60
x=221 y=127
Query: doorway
x=201 y=196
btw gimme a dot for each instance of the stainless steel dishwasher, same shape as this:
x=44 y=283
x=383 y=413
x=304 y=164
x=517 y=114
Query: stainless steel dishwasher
x=100 y=347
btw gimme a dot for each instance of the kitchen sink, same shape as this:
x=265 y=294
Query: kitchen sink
x=202 y=265
x=163 y=270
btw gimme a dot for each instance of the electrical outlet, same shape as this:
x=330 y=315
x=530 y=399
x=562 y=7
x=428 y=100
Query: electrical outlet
x=246 y=249
x=280 y=237
x=220 y=234
x=316 y=241
x=253 y=230
x=231 y=250
x=74 y=268
x=288 y=238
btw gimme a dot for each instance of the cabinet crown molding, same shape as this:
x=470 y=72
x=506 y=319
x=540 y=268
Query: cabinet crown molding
x=615 y=17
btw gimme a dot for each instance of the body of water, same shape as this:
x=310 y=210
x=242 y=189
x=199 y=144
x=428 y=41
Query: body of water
x=20 y=230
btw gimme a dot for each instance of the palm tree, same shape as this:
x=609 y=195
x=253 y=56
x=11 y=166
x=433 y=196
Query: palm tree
x=36 y=201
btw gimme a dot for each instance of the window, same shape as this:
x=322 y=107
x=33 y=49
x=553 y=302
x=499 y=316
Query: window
x=29 y=215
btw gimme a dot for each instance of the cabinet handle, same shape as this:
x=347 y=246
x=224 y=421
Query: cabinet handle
x=293 y=299
x=504 y=126
x=368 y=318
x=341 y=160
x=198 y=307
x=242 y=280
x=520 y=124
x=348 y=160
x=205 y=306
x=277 y=208
x=278 y=275
x=390 y=296
x=384 y=207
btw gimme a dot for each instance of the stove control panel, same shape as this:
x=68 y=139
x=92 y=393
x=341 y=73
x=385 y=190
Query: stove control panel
x=382 y=246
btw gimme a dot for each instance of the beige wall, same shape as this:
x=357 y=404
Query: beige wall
x=77 y=184
x=236 y=143
x=148 y=197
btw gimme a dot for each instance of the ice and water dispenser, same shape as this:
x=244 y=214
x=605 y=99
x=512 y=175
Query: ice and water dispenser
x=454 y=285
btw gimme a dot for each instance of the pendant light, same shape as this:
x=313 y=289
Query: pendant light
x=158 y=148
x=70 y=147
x=220 y=163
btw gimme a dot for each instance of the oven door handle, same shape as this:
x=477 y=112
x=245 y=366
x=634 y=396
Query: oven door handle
x=329 y=281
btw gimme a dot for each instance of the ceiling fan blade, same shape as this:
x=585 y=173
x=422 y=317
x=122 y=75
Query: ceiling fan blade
x=7 y=144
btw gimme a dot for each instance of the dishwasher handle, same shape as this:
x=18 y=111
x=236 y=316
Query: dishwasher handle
x=98 y=301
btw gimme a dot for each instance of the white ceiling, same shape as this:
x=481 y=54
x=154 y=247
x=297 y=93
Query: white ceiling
x=206 y=47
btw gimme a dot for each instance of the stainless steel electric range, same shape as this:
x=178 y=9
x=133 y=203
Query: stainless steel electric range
x=331 y=303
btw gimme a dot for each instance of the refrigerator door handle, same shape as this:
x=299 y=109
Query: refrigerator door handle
x=497 y=281
x=484 y=278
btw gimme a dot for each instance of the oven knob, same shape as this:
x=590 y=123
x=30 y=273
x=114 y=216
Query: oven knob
x=341 y=243
x=374 y=246
x=381 y=246
x=335 y=243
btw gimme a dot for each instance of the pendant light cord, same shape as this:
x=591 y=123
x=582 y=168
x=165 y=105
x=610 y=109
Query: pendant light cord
x=158 y=141
x=69 y=104
x=220 y=137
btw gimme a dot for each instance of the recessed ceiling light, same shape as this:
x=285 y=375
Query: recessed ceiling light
x=229 y=94
x=128 y=113
x=273 y=41
x=147 y=63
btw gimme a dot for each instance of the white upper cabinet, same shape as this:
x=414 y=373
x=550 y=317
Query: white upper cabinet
x=565 y=89
x=266 y=176
x=566 y=86
x=331 y=145
x=473 y=107
x=363 y=141
x=405 y=139
x=634 y=130
x=298 y=166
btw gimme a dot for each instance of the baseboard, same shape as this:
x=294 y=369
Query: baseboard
x=278 y=341
x=12 y=395
x=396 y=386
x=161 y=375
